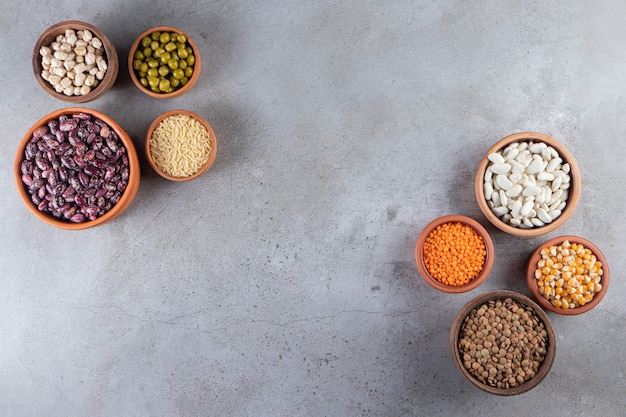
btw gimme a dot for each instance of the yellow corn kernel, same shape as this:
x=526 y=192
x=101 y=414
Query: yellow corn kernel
x=564 y=304
x=556 y=303
x=587 y=297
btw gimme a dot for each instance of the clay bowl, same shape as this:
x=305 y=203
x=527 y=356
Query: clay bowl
x=117 y=209
x=571 y=202
x=476 y=302
x=531 y=281
x=190 y=117
x=110 y=54
x=432 y=281
x=137 y=46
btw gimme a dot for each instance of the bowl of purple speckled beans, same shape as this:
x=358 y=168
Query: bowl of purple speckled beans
x=76 y=168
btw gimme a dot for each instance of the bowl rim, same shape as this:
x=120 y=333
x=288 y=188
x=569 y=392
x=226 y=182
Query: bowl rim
x=574 y=191
x=212 y=154
x=117 y=209
x=111 y=56
x=531 y=281
x=180 y=91
x=547 y=363
x=468 y=221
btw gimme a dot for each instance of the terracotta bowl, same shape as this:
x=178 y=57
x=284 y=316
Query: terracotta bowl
x=212 y=154
x=432 y=281
x=180 y=90
x=117 y=209
x=574 y=190
x=531 y=281
x=50 y=34
x=457 y=325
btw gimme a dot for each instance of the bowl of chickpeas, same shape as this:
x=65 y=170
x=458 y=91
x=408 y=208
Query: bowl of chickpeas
x=568 y=275
x=454 y=254
x=164 y=62
x=75 y=62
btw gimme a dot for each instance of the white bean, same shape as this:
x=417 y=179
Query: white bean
x=516 y=167
x=488 y=190
x=495 y=199
x=514 y=191
x=553 y=164
x=503 y=182
x=544 y=216
x=526 y=208
x=503 y=198
x=511 y=155
x=500 y=168
x=532 y=191
x=535 y=166
x=496 y=158
x=554 y=214
x=537 y=147
x=537 y=222
x=500 y=211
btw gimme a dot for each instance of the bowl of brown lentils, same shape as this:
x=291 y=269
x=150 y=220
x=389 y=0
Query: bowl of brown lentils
x=76 y=168
x=503 y=343
x=75 y=62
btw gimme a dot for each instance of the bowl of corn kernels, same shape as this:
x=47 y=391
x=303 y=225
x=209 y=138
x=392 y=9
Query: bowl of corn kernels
x=454 y=254
x=568 y=275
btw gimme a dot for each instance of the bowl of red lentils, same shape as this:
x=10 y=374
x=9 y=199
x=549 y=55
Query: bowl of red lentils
x=454 y=254
x=568 y=275
x=503 y=343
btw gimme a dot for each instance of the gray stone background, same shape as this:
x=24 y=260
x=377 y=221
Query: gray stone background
x=283 y=282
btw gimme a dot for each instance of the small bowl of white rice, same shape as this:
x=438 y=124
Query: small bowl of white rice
x=180 y=145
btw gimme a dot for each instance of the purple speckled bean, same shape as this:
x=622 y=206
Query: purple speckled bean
x=75 y=168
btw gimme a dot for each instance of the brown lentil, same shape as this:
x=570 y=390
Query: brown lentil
x=502 y=343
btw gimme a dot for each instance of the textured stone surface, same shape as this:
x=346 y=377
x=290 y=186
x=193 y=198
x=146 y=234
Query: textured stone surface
x=283 y=282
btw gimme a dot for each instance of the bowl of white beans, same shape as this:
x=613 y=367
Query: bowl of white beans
x=75 y=62
x=527 y=184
